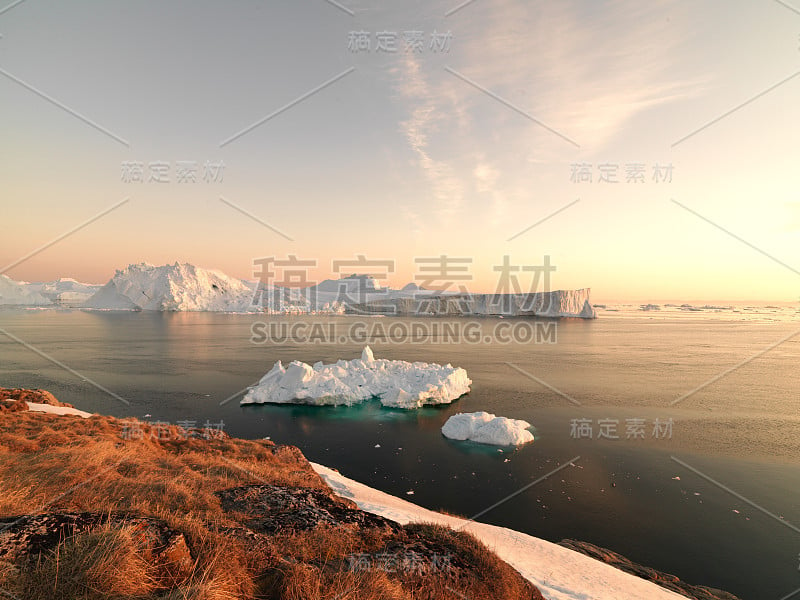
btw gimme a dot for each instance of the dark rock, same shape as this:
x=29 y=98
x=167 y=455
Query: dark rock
x=13 y=406
x=270 y=508
x=665 y=580
x=23 y=539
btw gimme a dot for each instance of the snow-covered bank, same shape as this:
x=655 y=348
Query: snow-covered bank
x=486 y=428
x=397 y=383
x=559 y=573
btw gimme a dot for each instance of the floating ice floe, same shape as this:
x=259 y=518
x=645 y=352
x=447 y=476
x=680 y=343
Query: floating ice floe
x=486 y=428
x=396 y=383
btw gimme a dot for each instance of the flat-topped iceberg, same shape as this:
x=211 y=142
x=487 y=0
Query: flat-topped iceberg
x=396 y=383
x=486 y=428
x=410 y=302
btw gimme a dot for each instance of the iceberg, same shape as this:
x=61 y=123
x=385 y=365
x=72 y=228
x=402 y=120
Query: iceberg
x=409 y=302
x=361 y=295
x=61 y=292
x=396 y=383
x=66 y=291
x=486 y=428
x=178 y=287
x=20 y=293
x=352 y=284
x=185 y=287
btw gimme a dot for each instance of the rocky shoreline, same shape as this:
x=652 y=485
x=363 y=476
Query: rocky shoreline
x=665 y=580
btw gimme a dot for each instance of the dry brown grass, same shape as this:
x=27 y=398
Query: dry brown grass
x=50 y=463
x=45 y=455
x=308 y=582
x=104 y=563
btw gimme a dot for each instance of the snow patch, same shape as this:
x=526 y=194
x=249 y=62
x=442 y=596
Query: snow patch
x=57 y=410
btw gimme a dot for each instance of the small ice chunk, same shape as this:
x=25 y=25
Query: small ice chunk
x=366 y=355
x=486 y=428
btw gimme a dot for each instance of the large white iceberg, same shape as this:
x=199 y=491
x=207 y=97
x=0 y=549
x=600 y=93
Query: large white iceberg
x=486 y=428
x=178 y=287
x=397 y=383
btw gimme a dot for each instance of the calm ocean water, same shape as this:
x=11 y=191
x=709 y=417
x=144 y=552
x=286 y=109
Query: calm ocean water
x=658 y=499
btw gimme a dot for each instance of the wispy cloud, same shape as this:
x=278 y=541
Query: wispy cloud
x=487 y=179
x=426 y=118
x=585 y=69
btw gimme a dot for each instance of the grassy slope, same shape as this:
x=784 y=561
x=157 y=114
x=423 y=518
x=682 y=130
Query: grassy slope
x=51 y=464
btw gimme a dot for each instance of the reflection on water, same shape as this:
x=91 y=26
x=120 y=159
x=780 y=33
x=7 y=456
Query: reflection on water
x=626 y=494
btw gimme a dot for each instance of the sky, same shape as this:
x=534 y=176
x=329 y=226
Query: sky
x=472 y=130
